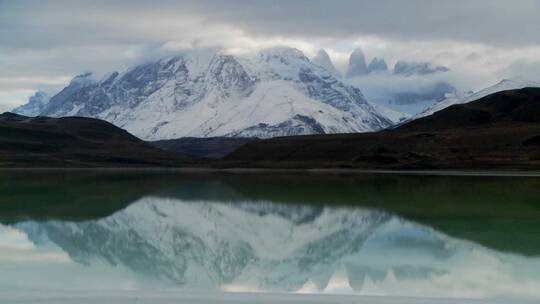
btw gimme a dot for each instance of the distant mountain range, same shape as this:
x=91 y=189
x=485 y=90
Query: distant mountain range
x=358 y=66
x=498 y=131
x=409 y=87
x=276 y=92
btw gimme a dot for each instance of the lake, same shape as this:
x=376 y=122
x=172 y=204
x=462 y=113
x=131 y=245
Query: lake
x=220 y=237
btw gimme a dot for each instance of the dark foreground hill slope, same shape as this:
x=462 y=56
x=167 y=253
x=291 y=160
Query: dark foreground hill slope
x=500 y=131
x=206 y=147
x=75 y=142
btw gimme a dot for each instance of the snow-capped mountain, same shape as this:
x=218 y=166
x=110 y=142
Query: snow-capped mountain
x=456 y=98
x=34 y=106
x=324 y=60
x=206 y=93
x=58 y=101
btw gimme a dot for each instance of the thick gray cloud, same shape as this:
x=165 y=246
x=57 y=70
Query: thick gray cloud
x=501 y=23
x=508 y=23
x=44 y=43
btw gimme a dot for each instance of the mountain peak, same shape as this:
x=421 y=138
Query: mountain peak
x=274 y=92
x=377 y=64
x=322 y=59
x=282 y=52
x=84 y=79
x=357 y=64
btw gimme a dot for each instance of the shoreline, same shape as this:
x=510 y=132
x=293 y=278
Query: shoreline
x=427 y=172
x=170 y=296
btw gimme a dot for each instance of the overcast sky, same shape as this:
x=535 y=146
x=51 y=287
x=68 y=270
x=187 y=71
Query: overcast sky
x=43 y=44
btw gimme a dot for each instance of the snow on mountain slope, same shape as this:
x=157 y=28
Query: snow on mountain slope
x=34 y=106
x=452 y=99
x=324 y=60
x=207 y=93
x=61 y=99
x=395 y=116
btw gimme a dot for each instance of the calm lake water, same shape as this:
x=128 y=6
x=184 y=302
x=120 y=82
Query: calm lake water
x=368 y=234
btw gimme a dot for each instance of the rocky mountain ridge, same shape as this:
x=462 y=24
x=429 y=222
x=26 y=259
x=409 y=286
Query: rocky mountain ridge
x=275 y=92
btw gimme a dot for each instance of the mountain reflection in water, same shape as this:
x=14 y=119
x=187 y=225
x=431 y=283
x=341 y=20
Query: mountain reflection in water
x=425 y=236
x=264 y=246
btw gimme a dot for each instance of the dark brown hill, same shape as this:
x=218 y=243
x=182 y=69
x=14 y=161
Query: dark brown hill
x=209 y=147
x=75 y=142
